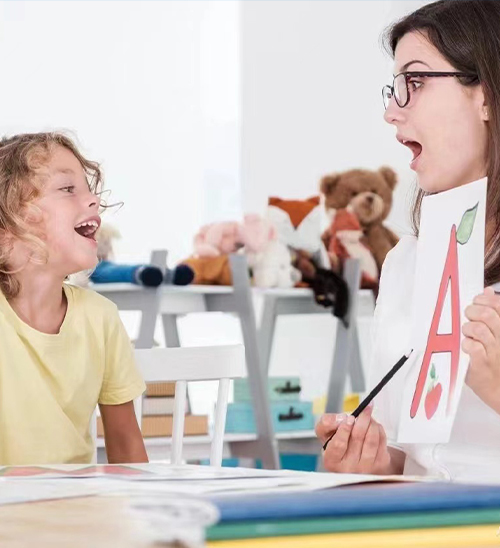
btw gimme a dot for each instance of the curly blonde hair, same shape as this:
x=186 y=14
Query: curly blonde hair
x=20 y=158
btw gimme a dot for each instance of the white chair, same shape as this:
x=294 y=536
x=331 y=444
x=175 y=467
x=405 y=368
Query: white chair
x=182 y=365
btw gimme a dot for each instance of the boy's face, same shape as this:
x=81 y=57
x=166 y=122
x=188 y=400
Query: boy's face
x=69 y=214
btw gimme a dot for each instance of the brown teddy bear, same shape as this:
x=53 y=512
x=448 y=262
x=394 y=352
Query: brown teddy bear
x=369 y=195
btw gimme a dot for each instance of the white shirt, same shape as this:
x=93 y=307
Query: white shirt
x=473 y=452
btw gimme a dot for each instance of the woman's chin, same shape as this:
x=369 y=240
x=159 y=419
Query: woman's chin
x=434 y=185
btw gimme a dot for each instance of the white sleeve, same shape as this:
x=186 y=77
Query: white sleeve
x=387 y=343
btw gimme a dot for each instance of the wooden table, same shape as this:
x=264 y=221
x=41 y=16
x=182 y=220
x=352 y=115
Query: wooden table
x=91 y=522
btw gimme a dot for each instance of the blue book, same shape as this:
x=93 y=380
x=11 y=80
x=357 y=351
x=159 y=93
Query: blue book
x=358 y=500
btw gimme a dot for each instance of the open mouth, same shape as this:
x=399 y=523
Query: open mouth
x=414 y=146
x=88 y=228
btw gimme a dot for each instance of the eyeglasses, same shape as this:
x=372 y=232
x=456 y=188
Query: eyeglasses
x=400 y=88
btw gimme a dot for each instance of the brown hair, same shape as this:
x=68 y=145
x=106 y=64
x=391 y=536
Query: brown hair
x=20 y=158
x=467 y=34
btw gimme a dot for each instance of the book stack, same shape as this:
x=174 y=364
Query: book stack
x=157 y=414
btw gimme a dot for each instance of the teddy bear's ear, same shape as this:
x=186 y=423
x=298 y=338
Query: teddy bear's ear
x=389 y=176
x=328 y=183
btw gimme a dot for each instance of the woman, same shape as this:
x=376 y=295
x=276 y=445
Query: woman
x=445 y=106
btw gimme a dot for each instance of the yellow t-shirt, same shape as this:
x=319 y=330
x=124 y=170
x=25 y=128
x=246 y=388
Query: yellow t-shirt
x=50 y=384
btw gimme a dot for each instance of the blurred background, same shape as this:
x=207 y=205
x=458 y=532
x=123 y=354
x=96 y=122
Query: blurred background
x=198 y=111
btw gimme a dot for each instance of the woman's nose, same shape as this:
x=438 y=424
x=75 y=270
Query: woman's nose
x=393 y=113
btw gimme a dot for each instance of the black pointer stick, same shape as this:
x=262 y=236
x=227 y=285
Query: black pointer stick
x=374 y=392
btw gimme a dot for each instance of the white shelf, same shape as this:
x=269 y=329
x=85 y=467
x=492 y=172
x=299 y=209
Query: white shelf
x=228 y=438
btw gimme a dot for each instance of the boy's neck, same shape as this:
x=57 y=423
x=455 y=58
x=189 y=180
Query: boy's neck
x=40 y=303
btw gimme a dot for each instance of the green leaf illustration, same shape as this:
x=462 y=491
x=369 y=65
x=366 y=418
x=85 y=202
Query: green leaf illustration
x=433 y=372
x=466 y=225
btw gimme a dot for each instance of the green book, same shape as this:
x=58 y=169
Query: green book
x=373 y=522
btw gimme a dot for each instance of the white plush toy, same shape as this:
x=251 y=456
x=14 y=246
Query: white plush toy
x=272 y=267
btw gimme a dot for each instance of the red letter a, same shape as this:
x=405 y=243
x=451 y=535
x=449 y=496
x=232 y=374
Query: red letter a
x=449 y=342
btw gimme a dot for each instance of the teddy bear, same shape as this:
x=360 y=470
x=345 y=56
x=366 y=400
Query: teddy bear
x=369 y=195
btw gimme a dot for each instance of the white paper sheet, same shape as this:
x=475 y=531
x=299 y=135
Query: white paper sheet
x=449 y=274
x=198 y=481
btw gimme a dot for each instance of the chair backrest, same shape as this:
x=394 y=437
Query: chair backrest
x=184 y=364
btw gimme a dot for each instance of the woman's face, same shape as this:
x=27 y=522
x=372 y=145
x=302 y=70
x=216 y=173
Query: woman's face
x=445 y=123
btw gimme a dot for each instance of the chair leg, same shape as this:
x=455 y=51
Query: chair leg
x=219 y=423
x=178 y=426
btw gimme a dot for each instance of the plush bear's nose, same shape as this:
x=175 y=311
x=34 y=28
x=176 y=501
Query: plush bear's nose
x=369 y=199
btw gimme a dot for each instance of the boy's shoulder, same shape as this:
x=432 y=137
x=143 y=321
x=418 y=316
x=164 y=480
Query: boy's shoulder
x=91 y=301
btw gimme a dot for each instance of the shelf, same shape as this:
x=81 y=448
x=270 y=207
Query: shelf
x=228 y=438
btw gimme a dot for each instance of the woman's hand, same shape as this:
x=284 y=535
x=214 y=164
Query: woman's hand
x=359 y=446
x=482 y=344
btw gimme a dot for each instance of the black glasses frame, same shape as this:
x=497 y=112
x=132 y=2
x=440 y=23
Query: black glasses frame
x=418 y=74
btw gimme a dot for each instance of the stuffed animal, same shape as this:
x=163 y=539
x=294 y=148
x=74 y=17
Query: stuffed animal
x=329 y=288
x=227 y=237
x=210 y=270
x=268 y=258
x=299 y=226
x=369 y=194
x=217 y=239
x=273 y=267
x=344 y=239
x=298 y=222
x=108 y=271
x=269 y=261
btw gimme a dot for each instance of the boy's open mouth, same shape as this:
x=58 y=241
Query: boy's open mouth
x=88 y=228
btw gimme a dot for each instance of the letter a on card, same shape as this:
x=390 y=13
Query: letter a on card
x=443 y=342
x=449 y=274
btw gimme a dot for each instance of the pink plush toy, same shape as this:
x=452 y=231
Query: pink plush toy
x=269 y=259
x=227 y=237
x=217 y=239
x=255 y=233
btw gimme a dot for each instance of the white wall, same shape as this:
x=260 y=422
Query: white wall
x=149 y=88
x=153 y=89
x=312 y=73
